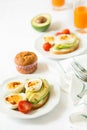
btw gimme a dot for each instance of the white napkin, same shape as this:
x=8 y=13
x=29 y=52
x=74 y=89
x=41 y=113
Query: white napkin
x=75 y=88
x=65 y=74
x=79 y=97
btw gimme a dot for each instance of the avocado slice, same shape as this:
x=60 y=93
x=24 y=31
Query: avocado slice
x=35 y=97
x=65 y=46
x=41 y=22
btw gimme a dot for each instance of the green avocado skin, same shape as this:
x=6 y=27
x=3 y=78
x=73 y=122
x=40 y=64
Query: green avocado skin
x=41 y=25
x=41 y=29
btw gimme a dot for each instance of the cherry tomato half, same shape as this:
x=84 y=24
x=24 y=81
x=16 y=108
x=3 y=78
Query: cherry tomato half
x=66 y=31
x=46 y=46
x=24 y=106
x=58 y=33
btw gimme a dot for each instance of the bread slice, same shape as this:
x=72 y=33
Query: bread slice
x=41 y=103
x=65 y=51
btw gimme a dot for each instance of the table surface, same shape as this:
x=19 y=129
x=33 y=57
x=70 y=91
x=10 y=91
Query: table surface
x=16 y=34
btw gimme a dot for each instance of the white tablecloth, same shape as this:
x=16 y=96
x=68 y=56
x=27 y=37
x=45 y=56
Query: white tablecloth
x=16 y=34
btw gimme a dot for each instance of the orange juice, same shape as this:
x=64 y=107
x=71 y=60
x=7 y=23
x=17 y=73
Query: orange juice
x=58 y=2
x=80 y=17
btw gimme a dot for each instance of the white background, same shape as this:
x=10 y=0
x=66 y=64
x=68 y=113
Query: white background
x=16 y=34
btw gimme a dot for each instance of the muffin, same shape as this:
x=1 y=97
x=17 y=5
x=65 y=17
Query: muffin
x=26 y=62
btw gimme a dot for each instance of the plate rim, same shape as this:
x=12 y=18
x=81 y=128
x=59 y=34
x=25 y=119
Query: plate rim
x=25 y=116
x=38 y=48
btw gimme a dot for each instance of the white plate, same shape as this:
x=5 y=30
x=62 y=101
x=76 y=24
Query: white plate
x=39 y=43
x=50 y=105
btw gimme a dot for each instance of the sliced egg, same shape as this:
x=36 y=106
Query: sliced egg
x=65 y=38
x=14 y=87
x=33 y=85
x=48 y=38
x=13 y=99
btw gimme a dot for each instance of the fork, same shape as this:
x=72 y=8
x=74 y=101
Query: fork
x=80 y=67
x=82 y=77
x=80 y=72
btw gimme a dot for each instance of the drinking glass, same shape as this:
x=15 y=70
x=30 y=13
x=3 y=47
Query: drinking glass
x=58 y=4
x=80 y=15
x=61 y=4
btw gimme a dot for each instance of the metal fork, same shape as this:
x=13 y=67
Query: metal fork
x=80 y=67
x=79 y=71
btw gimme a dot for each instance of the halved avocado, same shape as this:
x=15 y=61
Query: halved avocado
x=41 y=22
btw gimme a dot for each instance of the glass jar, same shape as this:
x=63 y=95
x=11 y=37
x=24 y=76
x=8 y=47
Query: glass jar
x=80 y=15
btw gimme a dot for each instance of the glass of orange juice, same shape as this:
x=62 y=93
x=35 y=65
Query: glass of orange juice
x=80 y=15
x=58 y=4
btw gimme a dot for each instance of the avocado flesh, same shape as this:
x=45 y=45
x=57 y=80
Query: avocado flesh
x=66 y=45
x=42 y=29
x=36 y=97
x=43 y=26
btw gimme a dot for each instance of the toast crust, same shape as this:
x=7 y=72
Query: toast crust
x=41 y=103
x=65 y=51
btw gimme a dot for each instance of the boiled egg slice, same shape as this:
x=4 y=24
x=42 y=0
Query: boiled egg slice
x=49 y=38
x=33 y=85
x=65 y=38
x=13 y=99
x=14 y=87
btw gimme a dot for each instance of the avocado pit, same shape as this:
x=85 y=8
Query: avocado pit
x=41 y=19
x=41 y=22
